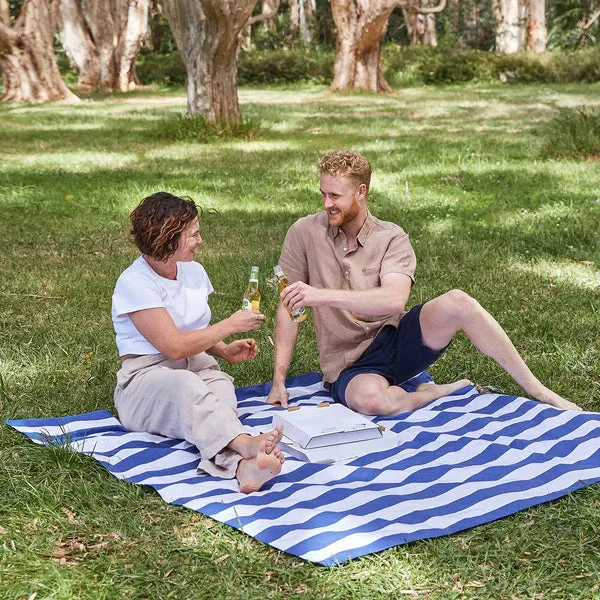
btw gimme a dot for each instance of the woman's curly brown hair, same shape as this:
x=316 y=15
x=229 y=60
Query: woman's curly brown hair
x=157 y=223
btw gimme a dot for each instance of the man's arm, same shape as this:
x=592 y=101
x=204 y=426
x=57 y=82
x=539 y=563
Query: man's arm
x=388 y=299
x=286 y=334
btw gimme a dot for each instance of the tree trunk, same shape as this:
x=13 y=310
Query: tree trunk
x=302 y=17
x=420 y=28
x=27 y=60
x=509 y=25
x=361 y=25
x=269 y=6
x=536 y=35
x=102 y=39
x=207 y=33
x=294 y=16
x=305 y=32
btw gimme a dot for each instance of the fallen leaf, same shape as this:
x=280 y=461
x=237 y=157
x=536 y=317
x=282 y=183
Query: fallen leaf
x=70 y=515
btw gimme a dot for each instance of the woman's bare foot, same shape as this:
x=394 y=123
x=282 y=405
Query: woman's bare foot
x=443 y=389
x=248 y=445
x=549 y=397
x=253 y=473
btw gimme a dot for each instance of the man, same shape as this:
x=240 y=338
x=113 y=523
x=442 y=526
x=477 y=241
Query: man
x=356 y=272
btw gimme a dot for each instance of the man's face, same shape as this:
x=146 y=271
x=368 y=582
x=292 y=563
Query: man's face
x=343 y=199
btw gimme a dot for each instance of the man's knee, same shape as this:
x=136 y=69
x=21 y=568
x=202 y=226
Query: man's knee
x=459 y=304
x=368 y=399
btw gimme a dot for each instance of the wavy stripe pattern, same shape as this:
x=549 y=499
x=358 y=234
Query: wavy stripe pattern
x=462 y=460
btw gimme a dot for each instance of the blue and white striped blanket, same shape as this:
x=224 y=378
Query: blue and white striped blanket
x=462 y=460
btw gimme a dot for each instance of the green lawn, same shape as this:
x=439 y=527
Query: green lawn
x=459 y=168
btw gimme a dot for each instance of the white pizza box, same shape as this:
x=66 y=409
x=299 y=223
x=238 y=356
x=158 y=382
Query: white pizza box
x=325 y=425
x=340 y=453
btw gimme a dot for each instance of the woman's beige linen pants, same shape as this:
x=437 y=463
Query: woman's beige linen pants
x=190 y=399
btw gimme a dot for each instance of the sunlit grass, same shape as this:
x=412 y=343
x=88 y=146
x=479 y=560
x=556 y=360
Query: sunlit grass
x=459 y=168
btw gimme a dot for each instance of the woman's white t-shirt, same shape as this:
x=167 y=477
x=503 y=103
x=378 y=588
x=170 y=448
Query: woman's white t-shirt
x=140 y=287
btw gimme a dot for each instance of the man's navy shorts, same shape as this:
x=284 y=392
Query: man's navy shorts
x=397 y=353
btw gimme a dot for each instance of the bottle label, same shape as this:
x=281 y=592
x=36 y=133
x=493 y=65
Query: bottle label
x=246 y=304
x=298 y=312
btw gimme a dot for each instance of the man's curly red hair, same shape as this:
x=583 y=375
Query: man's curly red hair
x=346 y=163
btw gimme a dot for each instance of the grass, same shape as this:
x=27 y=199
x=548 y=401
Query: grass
x=461 y=169
x=575 y=133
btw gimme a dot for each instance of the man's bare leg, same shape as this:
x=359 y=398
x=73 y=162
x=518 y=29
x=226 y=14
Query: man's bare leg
x=454 y=311
x=371 y=394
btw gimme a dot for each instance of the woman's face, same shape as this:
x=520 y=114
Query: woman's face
x=188 y=240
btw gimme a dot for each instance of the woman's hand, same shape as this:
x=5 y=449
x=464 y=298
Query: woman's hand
x=246 y=320
x=240 y=350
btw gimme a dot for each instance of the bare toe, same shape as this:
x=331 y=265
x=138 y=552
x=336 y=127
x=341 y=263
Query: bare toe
x=253 y=473
x=272 y=438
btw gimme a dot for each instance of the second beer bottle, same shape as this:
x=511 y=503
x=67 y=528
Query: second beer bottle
x=299 y=314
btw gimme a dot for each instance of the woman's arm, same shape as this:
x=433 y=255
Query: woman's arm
x=236 y=351
x=157 y=326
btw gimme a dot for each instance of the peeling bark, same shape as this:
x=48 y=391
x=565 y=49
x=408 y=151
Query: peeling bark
x=270 y=7
x=536 y=34
x=361 y=25
x=102 y=39
x=27 y=61
x=302 y=17
x=207 y=33
x=510 y=21
x=421 y=28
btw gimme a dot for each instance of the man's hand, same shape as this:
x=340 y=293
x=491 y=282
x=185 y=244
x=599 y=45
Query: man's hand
x=240 y=350
x=299 y=294
x=278 y=395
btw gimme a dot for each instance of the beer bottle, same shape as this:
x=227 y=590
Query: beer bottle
x=299 y=314
x=252 y=295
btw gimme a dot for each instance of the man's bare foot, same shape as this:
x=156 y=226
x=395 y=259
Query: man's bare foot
x=443 y=389
x=549 y=397
x=253 y=473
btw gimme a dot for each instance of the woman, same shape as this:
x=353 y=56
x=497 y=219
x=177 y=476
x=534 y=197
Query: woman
x=168 y=384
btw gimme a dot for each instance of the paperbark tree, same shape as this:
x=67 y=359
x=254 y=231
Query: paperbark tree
x=510 y=19
x=536 y=34
x=207 y=33
x=102 y=39
x=302 y=17
x=270 y=7
x=420 y=27
x=520 y=24
x=361 y=25
x=27 y=61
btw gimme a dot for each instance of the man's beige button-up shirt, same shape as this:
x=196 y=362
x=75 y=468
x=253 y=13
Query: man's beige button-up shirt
x=318 y=254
